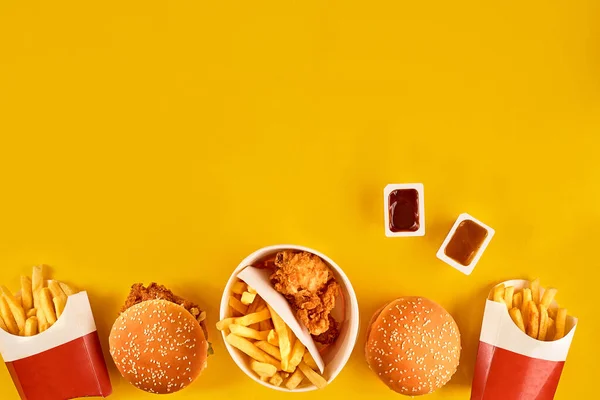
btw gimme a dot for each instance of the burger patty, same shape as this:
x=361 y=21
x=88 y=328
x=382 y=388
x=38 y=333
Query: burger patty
x=154 y=291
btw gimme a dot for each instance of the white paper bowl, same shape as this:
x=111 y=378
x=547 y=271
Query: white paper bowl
x=337 y=354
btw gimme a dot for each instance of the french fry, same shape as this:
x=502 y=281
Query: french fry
x=47 y=305
x=31 y=326
x=516 y=316
x=548 y=296
x=284 y=338
x=69 y=290
x=3 y=325
x=246 y=346
x=535 y=290
x=265 y=325
x=310 y=361
x=239 y=287
x=551 y=329
x=237 y=305
x=263 y=369
x=15 y=307
x=37 y=278
x=268 y=348
x=533 y=325
x=543 y=322
x=26 y=293
x=312 y=376
x=498 y=295
x=276 y=380
x=248 y=298
x=19 y=300
x=42 y=321
x=253 y=318
x=525 y=307
x=251 y=290
x=7 y=316
x=296 y=356
x=249 y=333
x=560 y=323
x=257 y=305
x=508 y=296
x=31 y=313
x=56 y=290
x=295 y=379
x=518 y=300
x=552 y=312
x=59 y=305
x=225 y=323
x=43 y=327
x=272 y=338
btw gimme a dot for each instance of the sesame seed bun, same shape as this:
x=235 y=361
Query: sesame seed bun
x=413 y=345
x=158 y=346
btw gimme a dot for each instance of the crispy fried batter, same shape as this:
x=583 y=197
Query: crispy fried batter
x=330 y=335
x=154 y=291
x=309 y=285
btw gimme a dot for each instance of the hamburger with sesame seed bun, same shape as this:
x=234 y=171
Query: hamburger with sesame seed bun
x=413 y=345
x=158 y=345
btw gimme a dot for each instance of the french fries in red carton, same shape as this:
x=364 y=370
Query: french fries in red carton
x=49 y=342
x=524 y=342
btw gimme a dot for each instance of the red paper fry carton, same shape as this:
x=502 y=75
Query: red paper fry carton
x=61 y=363
x=513 y=366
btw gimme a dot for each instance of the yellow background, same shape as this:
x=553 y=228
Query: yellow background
x=166 y=140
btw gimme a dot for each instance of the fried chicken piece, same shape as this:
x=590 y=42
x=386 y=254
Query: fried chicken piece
x=330 y=335
x=154 y=291
x=309 y=285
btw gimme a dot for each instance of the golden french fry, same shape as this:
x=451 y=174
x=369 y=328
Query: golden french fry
x=273 y=338
x=15 y=307
x=552 y=312
x=59 y=305
x=248 y=298
x=535 y=290
x=31 y=326
x=498 y=294
x=43 y=327
x=548 y=297
x=525 y=306
x=516 y=316
x=560 y=323
x=19 y=300
x=37 y=278
x=253 y=318
x=508 y=296
x=284 y=338
x=254 y=307
x=249 y=333
x=295 y=379
x=543 y=322
x=47 y=305
x=2 y=324
x=32 y=313
x=239 y=287
x=533 y=325
x=237 y=305
x=42 y=321
x=7 y=316
x=68 y=290
x=296 y=356
x=267 y=324
x=56 y=290
x=246 y=346
x=518 y=300
x=251 y=290
x=225 y=323
x=276 y=380
x=263 y=369
x=310 y=361
x=551 y=330
x=26 y=293
x=312 y=376
x=268 y=348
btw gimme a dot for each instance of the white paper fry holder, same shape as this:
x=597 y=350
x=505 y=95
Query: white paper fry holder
x=512 y=365
x=330 y=361
x=63 y=362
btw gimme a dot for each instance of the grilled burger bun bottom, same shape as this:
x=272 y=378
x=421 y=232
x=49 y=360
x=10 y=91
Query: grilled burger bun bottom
x=413 y=345
x=158 y=346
